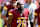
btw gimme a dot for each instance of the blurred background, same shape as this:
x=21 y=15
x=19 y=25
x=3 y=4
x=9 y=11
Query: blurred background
x=2 y=2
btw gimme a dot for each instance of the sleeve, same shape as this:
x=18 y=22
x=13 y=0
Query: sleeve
x=10 y=12
x=5 y=8
x=35 y=14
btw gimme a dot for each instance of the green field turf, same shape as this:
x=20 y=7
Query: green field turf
x=0 y=20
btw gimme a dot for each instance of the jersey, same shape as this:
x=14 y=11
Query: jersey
x=6 y=9
x=16 y=15
x=37 y=11
x=9 y=7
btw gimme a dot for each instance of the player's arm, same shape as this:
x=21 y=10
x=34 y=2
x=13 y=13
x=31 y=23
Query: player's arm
x=3 y=14
x=35 y=18
x=10 y=17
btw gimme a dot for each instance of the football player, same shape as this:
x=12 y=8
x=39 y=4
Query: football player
x=6 y=8
x=14 y=14
x=37 y=15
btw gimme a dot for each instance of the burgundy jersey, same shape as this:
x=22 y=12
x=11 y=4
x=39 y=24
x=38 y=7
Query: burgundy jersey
x=16 y=14
x=8 y=8
x=38 y=15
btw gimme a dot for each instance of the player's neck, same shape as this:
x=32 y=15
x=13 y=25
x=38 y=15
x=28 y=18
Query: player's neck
x=20 y=11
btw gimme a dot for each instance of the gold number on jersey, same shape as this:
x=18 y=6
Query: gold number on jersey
x=24 y=23
x=21 y=22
